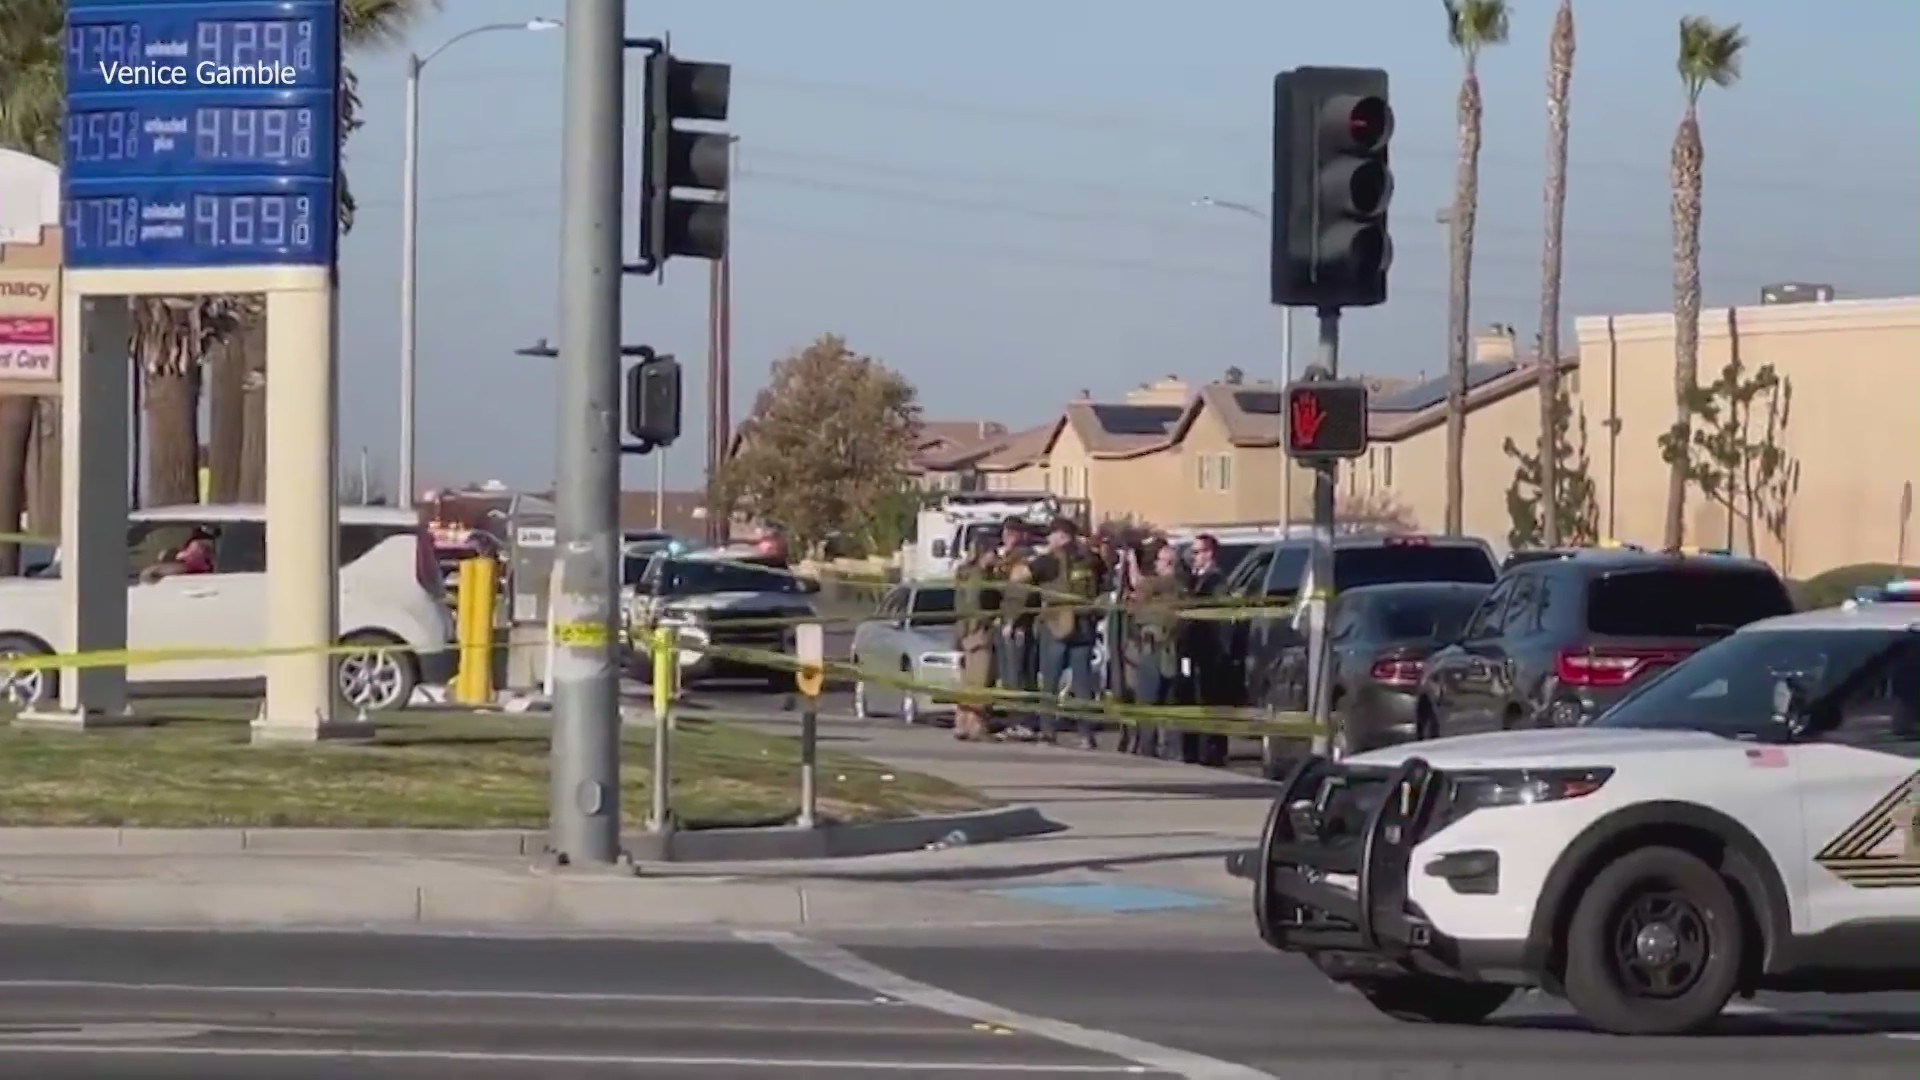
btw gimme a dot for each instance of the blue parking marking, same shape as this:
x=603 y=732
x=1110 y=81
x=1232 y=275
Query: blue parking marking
x=1113 y=899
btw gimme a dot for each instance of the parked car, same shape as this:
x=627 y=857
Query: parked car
x=1358 y=562
x=1380 y=637
x=390 y=594
x=909 y=639
x=719 y=598
x=1559 y=640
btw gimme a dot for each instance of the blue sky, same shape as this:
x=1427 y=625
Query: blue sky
x=994 y=197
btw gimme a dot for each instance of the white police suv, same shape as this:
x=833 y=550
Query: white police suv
x=1747 y=821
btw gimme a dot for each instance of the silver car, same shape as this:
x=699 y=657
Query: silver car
x=908 y=640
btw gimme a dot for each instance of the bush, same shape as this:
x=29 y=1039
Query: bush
x=1839 y=583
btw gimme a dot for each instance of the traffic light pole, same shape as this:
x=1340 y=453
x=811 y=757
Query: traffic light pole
x=584 y=794
x=1319 y=650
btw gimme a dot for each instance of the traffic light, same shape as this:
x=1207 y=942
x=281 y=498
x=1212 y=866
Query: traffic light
x=1326 y=420
x=653 y=401
x=683 y=158
x=1331 y=186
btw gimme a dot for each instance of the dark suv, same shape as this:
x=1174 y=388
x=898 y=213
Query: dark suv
x=1358 y=561
x=1559 y=640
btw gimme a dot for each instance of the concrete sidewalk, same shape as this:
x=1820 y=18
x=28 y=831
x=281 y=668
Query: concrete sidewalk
x=1141 y=835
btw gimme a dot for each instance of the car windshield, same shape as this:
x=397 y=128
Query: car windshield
x=1683 y=602
x=1430 y=616
x=694 y=577
x=1386 y=564
x=1727 y=687
x=933 y=607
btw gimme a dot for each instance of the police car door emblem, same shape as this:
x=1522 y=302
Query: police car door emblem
x=1861 y=855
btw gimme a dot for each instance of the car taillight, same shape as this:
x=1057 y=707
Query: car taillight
x=426 y=567
x=1403 y=674
x=1603 y=668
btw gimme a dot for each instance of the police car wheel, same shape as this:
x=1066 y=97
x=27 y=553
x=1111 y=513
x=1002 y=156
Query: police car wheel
x=1655 y=945
x=1427 y=999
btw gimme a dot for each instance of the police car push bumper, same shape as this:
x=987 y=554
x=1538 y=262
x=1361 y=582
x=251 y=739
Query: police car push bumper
x=1413 y=906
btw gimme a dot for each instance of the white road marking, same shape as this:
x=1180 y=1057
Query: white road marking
x=845 y=966
x=343 y=1053
x=449 y=995
x=105 y=1033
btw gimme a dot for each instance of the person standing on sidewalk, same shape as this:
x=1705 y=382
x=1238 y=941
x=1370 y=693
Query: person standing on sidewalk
x=1013 y=630
x=1210 y=667
x=1070 y=577
x=975 y=603
x=1153 y=654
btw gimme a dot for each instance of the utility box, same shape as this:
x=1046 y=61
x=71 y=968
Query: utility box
x=531 y=537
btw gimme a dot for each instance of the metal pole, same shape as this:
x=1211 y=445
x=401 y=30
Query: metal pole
x=714 y=449
x=809 y=765
x=1320 y=655
x=584 y=799
x=1286 y=463
x=659 y=488
x=409 y=276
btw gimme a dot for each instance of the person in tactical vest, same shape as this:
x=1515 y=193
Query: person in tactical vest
x=1013 y=630
x=1069 y=577
x=1153 y=644
x=975 y=603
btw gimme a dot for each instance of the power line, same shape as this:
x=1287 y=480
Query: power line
x=1187 y=222
x=909 y=100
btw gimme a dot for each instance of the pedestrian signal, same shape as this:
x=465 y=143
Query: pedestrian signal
x=1326 y=420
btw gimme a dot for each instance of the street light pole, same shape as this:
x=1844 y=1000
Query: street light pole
x=1286 y=352
x=410 y=244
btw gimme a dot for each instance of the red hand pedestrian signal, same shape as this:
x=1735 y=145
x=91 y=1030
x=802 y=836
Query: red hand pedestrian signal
x=1307 y=418
x=1326 y=420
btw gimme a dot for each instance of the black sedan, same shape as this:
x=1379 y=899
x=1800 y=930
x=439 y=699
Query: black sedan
x=1382 y=636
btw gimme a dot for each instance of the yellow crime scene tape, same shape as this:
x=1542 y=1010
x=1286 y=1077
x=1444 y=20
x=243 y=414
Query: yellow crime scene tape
x=1218 y=720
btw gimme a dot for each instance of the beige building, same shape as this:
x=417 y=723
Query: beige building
x=1170 y=453
x=1852 y=432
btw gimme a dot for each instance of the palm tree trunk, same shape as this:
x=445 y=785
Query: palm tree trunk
x=1466 y=203
x=16 y=428
x=43 y=484
x=1688 y=161
x=1559 y=94
x=226 y=418
x=253 y=438
x=173 y=437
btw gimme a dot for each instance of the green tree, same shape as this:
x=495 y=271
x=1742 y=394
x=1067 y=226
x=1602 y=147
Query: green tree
x=1709 y=55
x=1560 y=48
x=826 y=446
x=1572 y=517
x=1733 y=453
x=1472 y=25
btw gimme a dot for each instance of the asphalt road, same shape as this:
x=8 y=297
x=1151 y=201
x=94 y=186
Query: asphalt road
x=1144 y=999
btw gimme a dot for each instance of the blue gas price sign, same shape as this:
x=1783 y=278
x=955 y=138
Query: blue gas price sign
x=202 y=133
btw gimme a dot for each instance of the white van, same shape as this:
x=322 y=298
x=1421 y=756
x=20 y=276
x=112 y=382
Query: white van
x=390 y=594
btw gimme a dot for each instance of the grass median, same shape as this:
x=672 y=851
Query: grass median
x=427 y=769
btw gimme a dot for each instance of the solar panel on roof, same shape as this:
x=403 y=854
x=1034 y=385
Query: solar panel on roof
x=1260 y=402
x=1137 y=419
x=1434 y=391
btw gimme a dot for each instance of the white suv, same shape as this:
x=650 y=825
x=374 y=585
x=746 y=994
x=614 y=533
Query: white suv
x=1747 y=821
x=390 y=594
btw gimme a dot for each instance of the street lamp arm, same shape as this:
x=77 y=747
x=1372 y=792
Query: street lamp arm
x=486 y=28
x=1229 y=204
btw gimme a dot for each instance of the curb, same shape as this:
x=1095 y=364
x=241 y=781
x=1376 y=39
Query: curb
x=840 y=841
x=693 y=845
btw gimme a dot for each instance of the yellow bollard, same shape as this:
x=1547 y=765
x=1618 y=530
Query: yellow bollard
x=666 y=668
x=473 y=622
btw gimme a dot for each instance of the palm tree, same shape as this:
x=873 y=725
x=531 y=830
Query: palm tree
x=1709 y=55
x=32 y=99
x=1472 y=25
x=172 y=338
x=1559 y=95
x=236 y=405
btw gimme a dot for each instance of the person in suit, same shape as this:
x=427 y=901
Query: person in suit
x=1207 y=661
